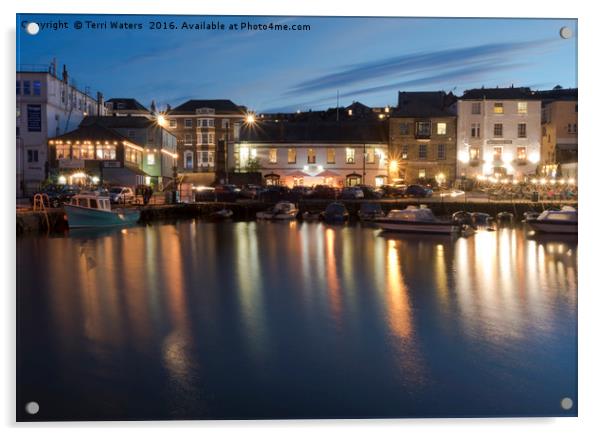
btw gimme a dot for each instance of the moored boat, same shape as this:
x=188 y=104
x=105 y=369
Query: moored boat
x=222 y=214
x=335 y=213
x=94 y=210
x=415 y=220
x=283 y=210
x=370 y=211
x=555 y=221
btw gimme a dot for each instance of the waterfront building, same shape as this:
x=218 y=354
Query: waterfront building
x=343 y=153
x=499 y=133
x=160 y=147
x=126 y=107
x=93 y=153
x=47 y=106
x=422 y=138
x=559 y=132
x=204 y=130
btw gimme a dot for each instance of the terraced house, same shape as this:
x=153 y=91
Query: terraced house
x=204 y=129
x=422 y=138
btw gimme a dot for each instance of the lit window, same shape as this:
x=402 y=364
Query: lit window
x=311 y=156
x=498 y=129
x=273 y=156
x=62 y=151
x=522 y=107
x=522 y=130
x=350 y=155
x=497 y=153
x=331 y=156
x=370 y=155
x=474 y=153
x=498 y=108
x=404 y=151
x=441 y=128
x=108 y=152
x=150 y=158
x=292 y=156
x=422 y=173
x=521 y=153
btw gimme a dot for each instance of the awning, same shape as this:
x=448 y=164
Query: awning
x=297 y=173
x=328 y=173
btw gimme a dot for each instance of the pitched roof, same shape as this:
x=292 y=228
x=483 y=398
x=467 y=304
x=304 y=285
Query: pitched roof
x=325 y=132
x=93 y=132
x=512 y=93
x=127 y=104
x=568 y=94
x=120 y=122
x=424 y=104
x=220 y=106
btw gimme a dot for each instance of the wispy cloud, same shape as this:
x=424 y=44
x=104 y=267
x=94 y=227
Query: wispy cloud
x=498 y=53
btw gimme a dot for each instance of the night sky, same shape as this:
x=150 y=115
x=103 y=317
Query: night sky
x=365 y=59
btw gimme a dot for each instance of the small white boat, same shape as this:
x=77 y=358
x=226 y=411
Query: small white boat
x=222 y=214
x=284 y=210
x=555 y=221
x=415 y=220
x=94 y=210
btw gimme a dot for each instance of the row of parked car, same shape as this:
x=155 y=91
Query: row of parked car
x=61 y=194
x=277 y=193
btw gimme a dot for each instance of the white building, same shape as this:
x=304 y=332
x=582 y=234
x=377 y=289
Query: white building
x=47 y=106
x=499 y=133
x=314 y=153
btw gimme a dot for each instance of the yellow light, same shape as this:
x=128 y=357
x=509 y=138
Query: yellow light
x=393 y=165
x=79 y=175
x=62 y=180
x=552 y=182
x=542 y=181
x=250 y=118
x=571 y=181
x=515 y=182
x=562 y=181
x=463 y=156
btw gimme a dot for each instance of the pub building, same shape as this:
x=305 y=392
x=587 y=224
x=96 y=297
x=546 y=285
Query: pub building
x=96 y=154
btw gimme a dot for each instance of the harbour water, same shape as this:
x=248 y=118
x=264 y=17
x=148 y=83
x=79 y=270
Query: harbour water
x=194 y=320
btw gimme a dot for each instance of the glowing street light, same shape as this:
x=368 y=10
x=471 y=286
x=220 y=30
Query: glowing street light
x=250 y=118
x=161 y=121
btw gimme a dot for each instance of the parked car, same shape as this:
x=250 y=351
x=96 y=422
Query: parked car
x=121 y=194
x=352 y=193
x=250 y=191
x=227 y=192
x=274 y=193
x=418 y=191
x=370 y=193
x=324 y=192
x=58 y=194
x=204 y=193
x=392 y=191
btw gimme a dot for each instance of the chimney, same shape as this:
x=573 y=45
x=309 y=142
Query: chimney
x=65 y=74
x=99 y=103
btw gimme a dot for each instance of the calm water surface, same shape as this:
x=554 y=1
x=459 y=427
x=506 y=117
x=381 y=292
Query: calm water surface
x=283 y=320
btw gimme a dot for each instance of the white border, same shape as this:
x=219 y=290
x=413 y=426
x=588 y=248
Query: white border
x=590 y=363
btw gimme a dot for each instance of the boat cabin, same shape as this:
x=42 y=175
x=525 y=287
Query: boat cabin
x=90 y=201
x=412 y=214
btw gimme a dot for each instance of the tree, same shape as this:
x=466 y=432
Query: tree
x=253 y=165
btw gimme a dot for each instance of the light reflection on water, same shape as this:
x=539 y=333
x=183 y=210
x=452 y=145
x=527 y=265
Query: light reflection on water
x=195 y=319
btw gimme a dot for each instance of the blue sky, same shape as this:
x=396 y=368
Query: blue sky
x=364 y=59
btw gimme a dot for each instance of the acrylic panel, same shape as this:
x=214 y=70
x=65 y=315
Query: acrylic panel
x=255 y=217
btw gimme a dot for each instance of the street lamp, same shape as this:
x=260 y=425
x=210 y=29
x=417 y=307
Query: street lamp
x=250 y=118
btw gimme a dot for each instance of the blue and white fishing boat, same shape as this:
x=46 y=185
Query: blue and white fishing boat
x=555 y=221
x=92 y=209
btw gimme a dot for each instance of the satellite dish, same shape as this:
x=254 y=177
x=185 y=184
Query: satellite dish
x=565 y=32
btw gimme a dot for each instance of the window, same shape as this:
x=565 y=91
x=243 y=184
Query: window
x=84 y=152
x=474 y=153
x=404 y=152
x=108 y=152
x=498 y=129
x=32 y=155
x=350 y=155
x=292 y=156
x=204 y=122
x=422 y=173
x=188 y=160
x=441 y=151
x=475 y=130
x=404 y=129
x=273 y=155
x=572 y=128
x=522 y=107
x=188 y=124
x=188 y=139
x=150 y=159
x=422 y=151
x=370 y=156
x=476 y=108
x=441 y=128
x=204 y=138
x=211 y=138
x=423 y=128
x=26 y=87
x=173 y=124
x=498 y=108
x=62 y=151
x=18 y=87
x=311 y=156
x=522 y=130
x=521 y=153
x=37 y=87
x=205 y=158
x=225 y=123
x=497 y=153
x=330 y=156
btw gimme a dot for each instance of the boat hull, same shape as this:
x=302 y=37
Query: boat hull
x=552 y=226
x=81 y=217
x=415 y=227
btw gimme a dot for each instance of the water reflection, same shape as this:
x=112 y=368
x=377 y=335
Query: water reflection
x=222 y=320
